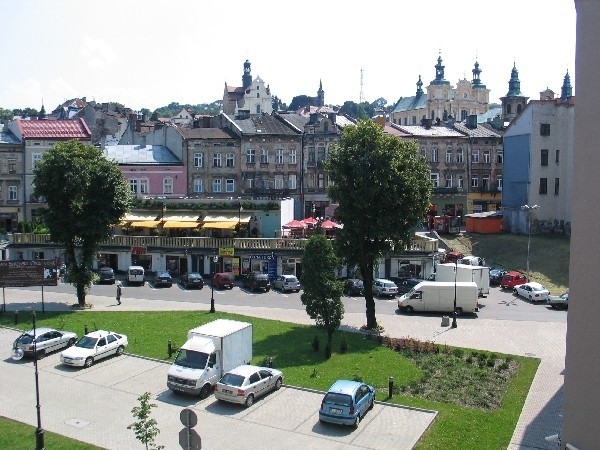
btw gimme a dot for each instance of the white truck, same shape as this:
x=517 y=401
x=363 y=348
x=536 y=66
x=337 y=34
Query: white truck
x=438 y=296
x=465 y=272
x=210 y=351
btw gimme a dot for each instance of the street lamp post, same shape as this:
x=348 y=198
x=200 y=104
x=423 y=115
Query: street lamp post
x=214 y=260
x=454 y=310
x=529 y=209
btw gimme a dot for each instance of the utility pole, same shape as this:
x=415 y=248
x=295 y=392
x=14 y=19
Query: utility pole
x=361 y=97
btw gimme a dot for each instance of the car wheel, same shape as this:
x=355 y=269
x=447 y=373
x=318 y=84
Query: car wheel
x=357 y=421
x=372 y=403
x=88 y=362
x=278 y=384
x=205 y=391
x=71 y=342
x=249 y=401
x=120 y=350
x=408 y=310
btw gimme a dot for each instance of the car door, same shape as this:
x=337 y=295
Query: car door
x=54 y=341
x=255 y=385
x=266 y=381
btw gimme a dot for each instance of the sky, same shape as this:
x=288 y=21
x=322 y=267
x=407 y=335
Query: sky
x=148 y=53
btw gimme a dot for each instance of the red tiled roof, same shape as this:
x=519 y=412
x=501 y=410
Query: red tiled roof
x=54 y=129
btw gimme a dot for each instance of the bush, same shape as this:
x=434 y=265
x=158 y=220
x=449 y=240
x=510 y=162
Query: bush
x=316 y=343
x=459 y=352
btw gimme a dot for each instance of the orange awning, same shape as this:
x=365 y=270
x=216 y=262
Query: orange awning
x=145 y=223
x=180 y=224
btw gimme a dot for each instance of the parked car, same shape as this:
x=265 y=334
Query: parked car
x=512 y=279
x=559 y=301
x=94 y=346
x=256 y=281
x=246 y=383
x=107 y=275
x=136 y=275
x=532 y=291
x=286 y=283
x=496 y=275
x=354 y=286
x=45 y=340
x=192 y=280
x=406 y=284
x=346 y=402
x=383 y=287
x=163 y=279
x=223 y=280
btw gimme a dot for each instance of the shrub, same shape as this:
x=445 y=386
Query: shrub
x=316 y=343
x=459 y=352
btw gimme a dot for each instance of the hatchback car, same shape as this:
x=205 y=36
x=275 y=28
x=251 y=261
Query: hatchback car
x=94 y=346
x=382 y=287
x=223 y=280
x=346 y=402
x=44 y=340
x=192 y=280
x=512 y=279
x=532 y=291
x=246 y=383
x=559 y=301
x=286 y=283
x=107 y=275
x=406 y=284
x=163 y=279
x=256 y=281
x=496 y=275
x=354 y=286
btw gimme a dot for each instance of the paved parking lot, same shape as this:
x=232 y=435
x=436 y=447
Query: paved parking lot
x=93 y=405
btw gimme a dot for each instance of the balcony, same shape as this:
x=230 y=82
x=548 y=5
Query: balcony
x=448 y=191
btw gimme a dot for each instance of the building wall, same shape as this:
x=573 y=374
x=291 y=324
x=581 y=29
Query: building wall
x=156 y=175
x=516 y=170
x=11 y=176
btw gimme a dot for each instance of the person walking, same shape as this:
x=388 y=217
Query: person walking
x=118 y=292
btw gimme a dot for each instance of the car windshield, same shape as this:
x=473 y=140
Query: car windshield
x=338 y=399
x=25 y=339
x=87 y=342
x=193 y=276
x=191 y=359
x=232 y=379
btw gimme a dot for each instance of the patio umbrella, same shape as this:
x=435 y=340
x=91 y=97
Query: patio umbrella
x=294 y=224
x=309 y=221
x=329 y=225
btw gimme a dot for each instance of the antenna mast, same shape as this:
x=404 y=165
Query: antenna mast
x=361 y=97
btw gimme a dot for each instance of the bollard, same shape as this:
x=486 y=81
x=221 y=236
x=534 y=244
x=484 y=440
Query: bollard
x=16 y=317
x=170 y=348
x=390 y=387
x=85 y=329
x=270 y=362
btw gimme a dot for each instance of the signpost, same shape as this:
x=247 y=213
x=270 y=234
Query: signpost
x=189 y=439
x=22 y=273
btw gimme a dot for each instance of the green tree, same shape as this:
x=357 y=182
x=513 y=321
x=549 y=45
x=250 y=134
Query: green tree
x=145 y=428
x=382 y=186
x=322 y=292
x=86 y=196
x=6 y=114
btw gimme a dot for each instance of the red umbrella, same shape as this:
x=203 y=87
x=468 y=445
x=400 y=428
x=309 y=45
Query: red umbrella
x=309 y=221
x=329 y=225
x=295 y=224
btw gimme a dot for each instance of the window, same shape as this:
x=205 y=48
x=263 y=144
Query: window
x=556 y=185
x=321 y=180
x=463 y=114
x=543 y=185
x=414 y=120
x=485 y=183
x=36 y=158
x=264 y=183
x=326 y=127
x=508 y=109
x=292 y=181
x=321 y=154
x=12 y=166
x=557 y=157
x=459 y=155
x=230 y=160
x=293 y=156
x=144 y=186
x=500 y=157
x=460 y=182
x=278 y=181
x=216 y=185
x=499 y=184
x=544 y=159
x=448 y=155
x=474 y=182
x=279 y=156
x=544 y=129
x=448 y=181
x=198 y=159
x=198 y=187
x=216 y=160
x=250 y=183
x=264 y=156
x=434 y=155
x=257 y=106
x=167 y=185
x=250 y=156
x=12 y=192
x=133 y=184
x=229 y=185
x=435 y=179
x=475 y=156
x=486 y=157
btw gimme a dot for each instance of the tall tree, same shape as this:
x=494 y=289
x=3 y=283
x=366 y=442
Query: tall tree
x=86 y=196
x=322 y=291
x=382 y=186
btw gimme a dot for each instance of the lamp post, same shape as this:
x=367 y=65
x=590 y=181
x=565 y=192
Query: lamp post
x=214 y=260
x=529 y=209
x=239 y=214
x=454 y=310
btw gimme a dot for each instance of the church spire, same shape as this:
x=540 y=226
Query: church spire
x=476 y=73
x=566 y=91
x=321 y=94
x=419 y=87
x=439 y=72
x=514 y=85
x=246 y=78
x=42 y=113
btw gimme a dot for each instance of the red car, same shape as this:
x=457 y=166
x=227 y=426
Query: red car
x=223 y=280
x=512 y=279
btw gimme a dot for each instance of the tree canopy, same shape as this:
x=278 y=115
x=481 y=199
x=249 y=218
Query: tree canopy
x=382 y=186
x=86 y=196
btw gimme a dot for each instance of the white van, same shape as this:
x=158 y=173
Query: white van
x=135 y=275
x=438 y=296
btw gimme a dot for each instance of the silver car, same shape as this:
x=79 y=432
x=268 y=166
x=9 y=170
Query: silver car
x=286 y=283
x=45 y=340
x=245 y=383
x=383 y=287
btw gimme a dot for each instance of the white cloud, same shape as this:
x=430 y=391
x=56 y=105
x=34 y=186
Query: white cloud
x=96 y=52
x=27 y=93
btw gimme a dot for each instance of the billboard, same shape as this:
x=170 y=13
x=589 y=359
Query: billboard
x=40 y=272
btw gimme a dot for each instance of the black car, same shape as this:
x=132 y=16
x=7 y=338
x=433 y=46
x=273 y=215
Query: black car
x=496 y=275
x=256 y=281
x=107 y=275
x=353 y=286
x=406 y=284
x=163 y=279
x=192 y=280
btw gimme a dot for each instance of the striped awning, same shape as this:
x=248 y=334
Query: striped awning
x=220 y=225
x=180 y=224
x=228 y=217
x=145 y=223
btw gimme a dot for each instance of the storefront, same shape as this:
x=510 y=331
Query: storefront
x=290 y=266
x=109 y=260
x=260 y=263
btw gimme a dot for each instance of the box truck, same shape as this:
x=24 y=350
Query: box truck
x=210 y=351
x=438 y=296
x=465 y=272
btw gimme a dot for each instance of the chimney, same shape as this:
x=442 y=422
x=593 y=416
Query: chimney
x=426 y=123
x=206 y=122
x=471 y=121
x=332 y=117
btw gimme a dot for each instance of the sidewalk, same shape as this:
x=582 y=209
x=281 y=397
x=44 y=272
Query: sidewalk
x=544 y=340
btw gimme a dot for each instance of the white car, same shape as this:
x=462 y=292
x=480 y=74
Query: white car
x=45 y=340
x=94 y=346
x=383 y=287
x=286 y=283
x=532 y=291
x=246 y=383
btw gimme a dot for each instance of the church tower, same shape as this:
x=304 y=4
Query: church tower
x=320 y=95
x=566 y=91
x=513 y=102
x=247 y=77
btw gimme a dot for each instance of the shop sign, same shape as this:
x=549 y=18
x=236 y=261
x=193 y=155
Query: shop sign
x=138 y=250
x=268 y=256
x=21 y=273
x=226 y=251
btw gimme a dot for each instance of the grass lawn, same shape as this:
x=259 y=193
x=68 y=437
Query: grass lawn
x=456 y=427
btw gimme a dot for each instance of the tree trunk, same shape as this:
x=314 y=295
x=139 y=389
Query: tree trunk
x=80 y=294
x=367 y=275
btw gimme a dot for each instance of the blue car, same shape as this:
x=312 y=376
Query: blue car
x=346 y=402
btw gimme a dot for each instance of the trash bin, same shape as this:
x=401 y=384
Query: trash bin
x=445 y=321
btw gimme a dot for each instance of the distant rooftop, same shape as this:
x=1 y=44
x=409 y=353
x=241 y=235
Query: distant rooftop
x=142 y=155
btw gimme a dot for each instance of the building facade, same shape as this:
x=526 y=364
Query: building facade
x=11 y=181
x=253 y=97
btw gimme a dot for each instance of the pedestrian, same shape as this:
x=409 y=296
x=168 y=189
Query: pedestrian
x=118 y=292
